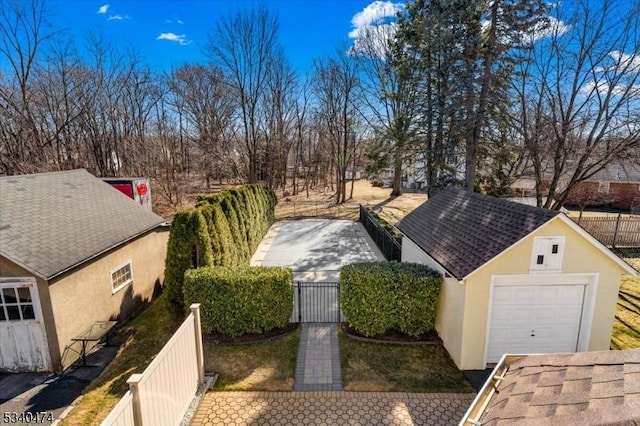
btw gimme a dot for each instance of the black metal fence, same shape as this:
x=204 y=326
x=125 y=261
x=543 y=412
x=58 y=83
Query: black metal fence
x=389 y=245
x=313 y=209
x=316 y=302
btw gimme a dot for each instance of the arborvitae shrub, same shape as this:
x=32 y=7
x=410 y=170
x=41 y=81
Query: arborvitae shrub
x=189 y=246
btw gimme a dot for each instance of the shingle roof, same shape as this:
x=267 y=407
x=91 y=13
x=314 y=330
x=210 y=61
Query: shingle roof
x=587 y=388
x=463 y=230
x=50 y=222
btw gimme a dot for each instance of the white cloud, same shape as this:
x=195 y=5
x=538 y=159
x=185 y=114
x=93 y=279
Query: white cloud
x=115 y=18
x=178 y=38
x=630 y=63
x=552 y=27
x=373 y=27
x=179 y=21
x=375 y=13
x=103 y=9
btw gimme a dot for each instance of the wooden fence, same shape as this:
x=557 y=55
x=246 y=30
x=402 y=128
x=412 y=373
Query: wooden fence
x=620 y=231
x=162 y=394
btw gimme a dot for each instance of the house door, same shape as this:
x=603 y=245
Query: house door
x=527 y=319
x=24 y=343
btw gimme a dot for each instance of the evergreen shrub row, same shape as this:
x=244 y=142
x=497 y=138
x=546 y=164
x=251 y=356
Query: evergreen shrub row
x=223 y=229
x=241 y=300
x=379 y=297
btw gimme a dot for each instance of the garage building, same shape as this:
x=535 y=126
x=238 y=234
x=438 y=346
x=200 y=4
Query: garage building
x=518 y=279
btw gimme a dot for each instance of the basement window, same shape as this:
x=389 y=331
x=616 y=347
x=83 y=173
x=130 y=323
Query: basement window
x=547 y=254
x=121 y=277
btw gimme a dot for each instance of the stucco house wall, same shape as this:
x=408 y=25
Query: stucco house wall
x=85 y=296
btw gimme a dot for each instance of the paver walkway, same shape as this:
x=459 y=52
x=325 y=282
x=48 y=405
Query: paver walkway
x=331 y=408
x=318 y=363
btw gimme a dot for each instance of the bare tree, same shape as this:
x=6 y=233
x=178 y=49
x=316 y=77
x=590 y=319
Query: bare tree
x=243 y=46
x=336 y=85
x=23 y=32
x=204 y=98
x=580 y=97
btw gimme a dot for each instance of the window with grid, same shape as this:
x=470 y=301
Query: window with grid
x=16 y=304
x=121 y=277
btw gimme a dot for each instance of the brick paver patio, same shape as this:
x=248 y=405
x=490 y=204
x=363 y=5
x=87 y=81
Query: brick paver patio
x=331 y=408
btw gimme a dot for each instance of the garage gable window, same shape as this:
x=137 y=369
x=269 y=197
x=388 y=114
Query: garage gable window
x=547 y=254
x=121 y=277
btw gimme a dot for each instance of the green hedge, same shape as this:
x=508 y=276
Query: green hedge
x=189 y=247
x=240 y=300
x=223 y=229
x=379 y=297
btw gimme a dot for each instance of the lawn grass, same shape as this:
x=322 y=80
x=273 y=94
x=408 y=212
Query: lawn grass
x=377 y=367
x=626 y=326
x=140 y=340
x=262 y=366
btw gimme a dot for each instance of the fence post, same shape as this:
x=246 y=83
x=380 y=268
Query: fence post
x=195 y=310
x=615 y=233
x=299 y=305
x=133 y=382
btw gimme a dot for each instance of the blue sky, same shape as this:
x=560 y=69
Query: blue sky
x=170 y=33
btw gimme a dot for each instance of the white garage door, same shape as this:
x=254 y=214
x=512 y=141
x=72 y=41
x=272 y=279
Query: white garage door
x=24 y=344
x=534 y=319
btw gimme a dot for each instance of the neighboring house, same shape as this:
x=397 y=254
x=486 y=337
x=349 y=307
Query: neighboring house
x=73 y=251
x=517 y=279
x=589 y=388
x=616 y=186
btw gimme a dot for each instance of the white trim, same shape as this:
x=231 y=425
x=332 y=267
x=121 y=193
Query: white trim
x=604 y=249
x=126 y=283
x=589 y=280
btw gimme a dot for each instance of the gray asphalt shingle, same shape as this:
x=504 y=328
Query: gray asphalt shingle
x=50 y=222
x=463 y=230
x=587 y=388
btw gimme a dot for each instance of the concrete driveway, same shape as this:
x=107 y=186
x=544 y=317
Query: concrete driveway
x=315 y=249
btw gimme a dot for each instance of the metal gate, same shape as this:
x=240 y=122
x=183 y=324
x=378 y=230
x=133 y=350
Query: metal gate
x=316 y=302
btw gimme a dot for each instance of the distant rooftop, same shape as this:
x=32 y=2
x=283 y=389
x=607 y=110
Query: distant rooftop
x=50 y=222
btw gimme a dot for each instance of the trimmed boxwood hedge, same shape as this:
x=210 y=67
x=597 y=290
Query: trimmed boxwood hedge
x=379 y=297
x=240 y=300
x=223 y=229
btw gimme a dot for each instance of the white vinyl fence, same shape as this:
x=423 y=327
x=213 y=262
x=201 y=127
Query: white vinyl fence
x=162 y=394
